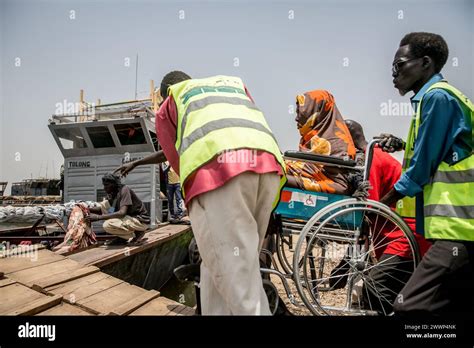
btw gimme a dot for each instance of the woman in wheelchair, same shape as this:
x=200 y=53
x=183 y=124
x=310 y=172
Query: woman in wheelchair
x=323 y=132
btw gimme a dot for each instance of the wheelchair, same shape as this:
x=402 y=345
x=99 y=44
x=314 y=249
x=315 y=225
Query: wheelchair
x=329 y=247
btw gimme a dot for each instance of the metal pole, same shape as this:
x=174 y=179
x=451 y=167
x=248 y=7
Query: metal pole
x=136 y=76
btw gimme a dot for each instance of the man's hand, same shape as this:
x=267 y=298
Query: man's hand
x=154 y=158
x=125 y=169
x=391 y=198
x=390 y=143
x=91 y=218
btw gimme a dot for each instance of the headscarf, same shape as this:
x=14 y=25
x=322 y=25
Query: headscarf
x=324 y=131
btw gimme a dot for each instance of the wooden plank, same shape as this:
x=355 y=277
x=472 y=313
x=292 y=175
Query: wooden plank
x=103 y=256
x=178 y=310
x=31 y=275
x=39 y=305
x=17 y=295
x=67 y=253
x=159 y=306
x=81 y=293
x=64 y=308
x=25 y=261
x=63 y=277
x=187 y=311
x=6 y=282
x=72 y=285
x=91 y=256
x=135 y=303
x=155 y=239
x=107 y=300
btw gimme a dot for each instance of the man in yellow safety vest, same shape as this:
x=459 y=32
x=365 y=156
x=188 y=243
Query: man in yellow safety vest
x=437 y=184
x=231 y=171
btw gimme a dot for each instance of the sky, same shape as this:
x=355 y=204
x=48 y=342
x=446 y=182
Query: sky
x=49 y=50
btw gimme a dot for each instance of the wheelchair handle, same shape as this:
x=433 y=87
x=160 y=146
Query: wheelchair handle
x=369 y=154
x=320 y=159
x=336 y=162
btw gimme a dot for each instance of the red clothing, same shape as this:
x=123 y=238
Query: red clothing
x=384 y=173
x=216 y=172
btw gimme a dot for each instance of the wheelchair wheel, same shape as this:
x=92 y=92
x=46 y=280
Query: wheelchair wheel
x=286 y=241
x=272 y=295
x=286 y=246
x=348 y=259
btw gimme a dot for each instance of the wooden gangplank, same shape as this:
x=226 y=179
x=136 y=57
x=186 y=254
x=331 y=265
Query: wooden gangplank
x=37 y=281
x=104 y=255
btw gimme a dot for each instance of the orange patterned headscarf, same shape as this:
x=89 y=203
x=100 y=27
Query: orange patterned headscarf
x=324 y=130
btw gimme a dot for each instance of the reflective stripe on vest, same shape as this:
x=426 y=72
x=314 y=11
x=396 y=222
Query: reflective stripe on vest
x=211 y=126
x=458 y=177
x=406 y=207
x=216 y=115
x=202 y=103
x=448 y=198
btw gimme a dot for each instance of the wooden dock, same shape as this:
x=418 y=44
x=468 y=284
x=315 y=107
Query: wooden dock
x=102 y=255
x=37 y=281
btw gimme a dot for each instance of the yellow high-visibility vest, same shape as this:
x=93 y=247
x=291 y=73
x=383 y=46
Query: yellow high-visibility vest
x=449 y=196
x=216 y=115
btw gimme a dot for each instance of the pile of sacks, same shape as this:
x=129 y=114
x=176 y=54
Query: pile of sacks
x=31 y=214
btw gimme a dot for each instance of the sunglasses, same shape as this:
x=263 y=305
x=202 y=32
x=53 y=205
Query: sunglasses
x=398 y=65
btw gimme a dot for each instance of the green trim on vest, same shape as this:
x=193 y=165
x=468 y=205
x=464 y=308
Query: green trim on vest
x=448 y=198
x=215 y=115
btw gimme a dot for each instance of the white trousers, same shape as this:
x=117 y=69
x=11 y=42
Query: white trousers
x=229 y=225
x=125 y=227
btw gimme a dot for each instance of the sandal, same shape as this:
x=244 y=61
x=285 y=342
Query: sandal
x=138 y=236
x=116 y=241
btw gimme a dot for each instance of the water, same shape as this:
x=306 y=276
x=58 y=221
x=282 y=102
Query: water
x=182 y=292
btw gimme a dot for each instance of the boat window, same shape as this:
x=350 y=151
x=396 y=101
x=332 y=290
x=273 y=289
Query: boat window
x=100 y=137
x=71 y=138
x=130 y=133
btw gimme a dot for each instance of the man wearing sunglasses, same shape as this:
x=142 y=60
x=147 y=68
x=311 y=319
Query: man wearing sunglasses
x=437 y=183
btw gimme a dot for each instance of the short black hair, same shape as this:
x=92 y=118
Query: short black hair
x=428 y=44
x=170 y=79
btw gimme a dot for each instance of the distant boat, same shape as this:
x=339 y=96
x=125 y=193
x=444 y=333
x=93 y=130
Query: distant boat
x=36 y=187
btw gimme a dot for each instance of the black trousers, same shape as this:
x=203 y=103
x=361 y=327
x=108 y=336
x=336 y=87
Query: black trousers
x=385 y=281
x=443 y=282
